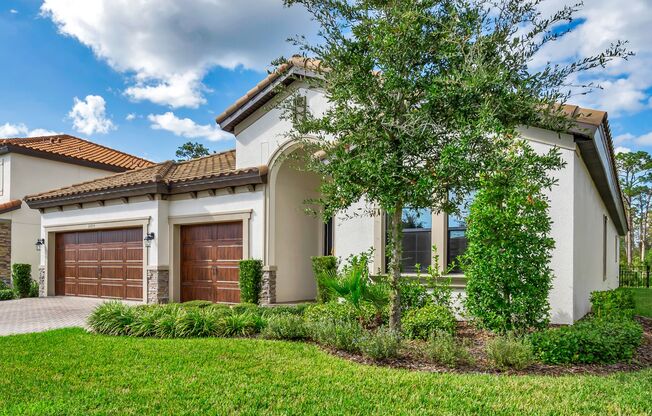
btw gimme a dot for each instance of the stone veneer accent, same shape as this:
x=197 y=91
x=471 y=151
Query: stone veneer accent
x=268 y=286
x=42 y=287
x=5 y=251
x=158 y=285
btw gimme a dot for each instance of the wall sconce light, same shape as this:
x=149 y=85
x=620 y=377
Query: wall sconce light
x=39 y=243
x=148 y=239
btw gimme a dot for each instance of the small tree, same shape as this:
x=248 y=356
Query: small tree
x=191 y=150
x=22 y=279
x=507 y=259
x=423 y=95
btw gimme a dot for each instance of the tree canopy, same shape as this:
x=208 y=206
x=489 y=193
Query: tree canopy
x=190 y=150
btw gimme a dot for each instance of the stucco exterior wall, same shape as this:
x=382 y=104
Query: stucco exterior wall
x=354 y=231
x=24 y=175
x=264 y=132
x=589 y=212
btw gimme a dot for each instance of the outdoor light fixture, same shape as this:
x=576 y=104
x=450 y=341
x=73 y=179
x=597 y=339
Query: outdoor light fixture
x=40 y=242
x=148 y=239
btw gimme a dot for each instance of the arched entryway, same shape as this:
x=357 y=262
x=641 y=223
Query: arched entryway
x=293 y=236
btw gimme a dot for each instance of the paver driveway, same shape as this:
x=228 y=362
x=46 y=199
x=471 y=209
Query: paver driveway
x=23 y=316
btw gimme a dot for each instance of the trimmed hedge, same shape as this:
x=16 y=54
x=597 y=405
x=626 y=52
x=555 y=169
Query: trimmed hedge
x=22 y=279
x=251 y=275
x=323 y=266
x=613 y=303
x=597 y=340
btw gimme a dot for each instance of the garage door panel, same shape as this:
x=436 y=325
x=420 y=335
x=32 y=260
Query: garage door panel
x=104 y=263
x=209 y=262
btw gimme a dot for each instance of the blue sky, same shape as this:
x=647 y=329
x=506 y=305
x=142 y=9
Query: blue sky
x=144 y=76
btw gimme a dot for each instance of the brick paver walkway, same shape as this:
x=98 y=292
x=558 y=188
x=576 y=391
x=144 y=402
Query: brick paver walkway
x=23 y=316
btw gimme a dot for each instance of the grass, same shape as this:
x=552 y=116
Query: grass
x=643 y=300
x=72 y=372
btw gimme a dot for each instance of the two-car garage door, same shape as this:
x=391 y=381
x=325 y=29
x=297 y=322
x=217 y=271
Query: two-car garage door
x=106 y=264
x=109 y=263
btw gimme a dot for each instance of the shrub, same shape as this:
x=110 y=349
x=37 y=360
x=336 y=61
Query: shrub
x=242 y=324
x=380 y=344
x=297 y=310
x=144 y=323
x=285 y=326
x=613 y=302
x=33 y=290
x=198 y=322
x=341 y=335
x=421 y=323
x=251 y=275
x=443 y=348
x=4 y=286
x=597 y=340
x=323 y=267
x=508 y=351
x=507 y=261
x=413 y=294
x=112 y=318
x=336 y=311
x=7 y=294
x=251 y=308
x=165 y=325
x=22 y=278
x=198 y=304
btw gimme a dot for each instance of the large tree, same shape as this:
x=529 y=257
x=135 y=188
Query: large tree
x=635 y=175
x=423 y=94
x=190 y=150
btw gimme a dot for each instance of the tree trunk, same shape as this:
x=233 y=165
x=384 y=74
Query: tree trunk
x=629 y=244
x=395 y=266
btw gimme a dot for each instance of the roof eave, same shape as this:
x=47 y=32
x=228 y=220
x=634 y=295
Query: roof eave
x=9 y=148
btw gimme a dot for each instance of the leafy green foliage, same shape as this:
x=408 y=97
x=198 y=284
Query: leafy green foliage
x=597 y=340
x=508 y=351
x=343 y=312
x=443 y=348
x=285 y=326
x=197 y=304
x=22 y=279
x=190 y=150
x=33 y=289
x=613 y=303
x=341 y=335
x=7 y=294
x=380 y=344
x=251 y=308
x=413 y=294
x=198 y=322
x=421 y=323
x=324 y=267
x=251 y=274
x=356 y=288
x=420 y=101
x=243 y=324
x=112 y=318
x=285 y=310
x=507 y=261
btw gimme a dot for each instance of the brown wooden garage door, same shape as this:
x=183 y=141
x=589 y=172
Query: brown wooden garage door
x=209 y=262
x=105 y=264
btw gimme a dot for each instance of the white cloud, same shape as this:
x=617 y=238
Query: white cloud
x=628 y=139
x=169 y=46
x=621 y=149
x=130 y=117
x=89 y=116
x=626 y=83
x=187 y=128
x=8 y=130
x=13 y=11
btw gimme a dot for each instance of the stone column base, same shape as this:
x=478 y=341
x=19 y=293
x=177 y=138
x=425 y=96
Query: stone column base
x=42 y=282
x=158 y=285
x=268 y=286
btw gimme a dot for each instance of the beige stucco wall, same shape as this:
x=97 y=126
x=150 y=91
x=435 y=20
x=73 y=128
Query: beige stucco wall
x=24 y=175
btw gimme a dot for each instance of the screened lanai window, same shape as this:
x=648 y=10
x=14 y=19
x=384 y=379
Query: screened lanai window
x=417 y=239
x=456 y=241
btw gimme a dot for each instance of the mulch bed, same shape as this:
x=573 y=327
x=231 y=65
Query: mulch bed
x=411 y=359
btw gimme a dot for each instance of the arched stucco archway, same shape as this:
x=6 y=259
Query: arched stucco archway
x=293 y=236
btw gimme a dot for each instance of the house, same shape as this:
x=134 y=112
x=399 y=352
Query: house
x=31 y=165
x=199 y=217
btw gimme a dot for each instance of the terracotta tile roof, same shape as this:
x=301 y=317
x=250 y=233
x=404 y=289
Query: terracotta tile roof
x=298 y=61
x=73 y=149
x=10 y=206
x=164 y=175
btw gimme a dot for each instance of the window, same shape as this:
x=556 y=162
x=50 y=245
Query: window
x=417 y=239
x=604 y=247
x=456 y=241
x=328 y=237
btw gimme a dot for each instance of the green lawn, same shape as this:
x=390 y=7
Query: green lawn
x=643 y=299
x=71 y=372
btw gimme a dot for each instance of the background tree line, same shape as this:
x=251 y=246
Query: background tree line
x=635 y=175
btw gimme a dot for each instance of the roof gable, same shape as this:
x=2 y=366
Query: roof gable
x=70 y=149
